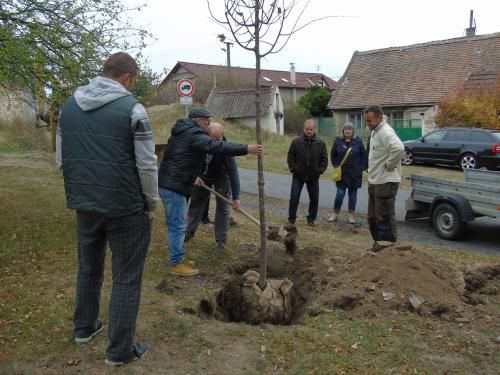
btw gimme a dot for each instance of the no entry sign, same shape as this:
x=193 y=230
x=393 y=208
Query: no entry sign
x=185 y=87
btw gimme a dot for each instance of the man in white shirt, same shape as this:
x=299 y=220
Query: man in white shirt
x=384 y=175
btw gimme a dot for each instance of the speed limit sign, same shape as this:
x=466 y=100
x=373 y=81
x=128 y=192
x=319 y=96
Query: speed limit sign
x=185 y=87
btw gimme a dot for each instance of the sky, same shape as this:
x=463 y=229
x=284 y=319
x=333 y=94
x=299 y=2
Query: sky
x=184 y=31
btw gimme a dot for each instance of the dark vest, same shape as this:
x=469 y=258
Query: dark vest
x=98 y=159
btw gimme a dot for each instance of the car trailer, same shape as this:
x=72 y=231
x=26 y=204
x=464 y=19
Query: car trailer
x=452 y=204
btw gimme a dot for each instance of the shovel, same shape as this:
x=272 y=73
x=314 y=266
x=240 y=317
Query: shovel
x=241 y=210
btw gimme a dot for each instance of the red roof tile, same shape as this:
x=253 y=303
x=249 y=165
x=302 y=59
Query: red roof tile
x=274 y=77
x=415 y=75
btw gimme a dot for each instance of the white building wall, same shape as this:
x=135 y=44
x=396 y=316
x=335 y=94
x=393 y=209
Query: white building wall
x=18 y=105
x=429 y=119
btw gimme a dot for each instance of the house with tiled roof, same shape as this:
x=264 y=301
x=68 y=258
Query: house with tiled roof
x=292 y=84
x=408 y=82
x=239 y=105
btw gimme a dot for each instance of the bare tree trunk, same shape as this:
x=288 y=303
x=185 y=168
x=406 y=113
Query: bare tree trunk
x=260 y=164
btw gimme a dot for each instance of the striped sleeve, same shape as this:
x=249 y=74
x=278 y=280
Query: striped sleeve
x=145 y=155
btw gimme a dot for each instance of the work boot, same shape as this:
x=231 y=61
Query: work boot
x=221 y=245
x=333 y=217
x=184 y=269
x=188 y=236
x=378 y=246
x=351 y=218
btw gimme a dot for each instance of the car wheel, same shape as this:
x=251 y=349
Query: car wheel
x=468 y=161
x=446 y=221
x=407 y=157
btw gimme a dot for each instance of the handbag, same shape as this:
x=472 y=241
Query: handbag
x=337 y=171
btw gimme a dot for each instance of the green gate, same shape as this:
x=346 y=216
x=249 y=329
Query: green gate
x=326 y=126
x=408 y=129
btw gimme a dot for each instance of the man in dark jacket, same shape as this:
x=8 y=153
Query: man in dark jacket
x=105 y=149
x=183 y=161
x=222 y=175
x=307 y=160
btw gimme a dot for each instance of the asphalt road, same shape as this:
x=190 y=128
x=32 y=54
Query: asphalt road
x=483 y=234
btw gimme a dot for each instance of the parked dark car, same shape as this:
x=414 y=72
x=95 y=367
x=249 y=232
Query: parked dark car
x=466 y=147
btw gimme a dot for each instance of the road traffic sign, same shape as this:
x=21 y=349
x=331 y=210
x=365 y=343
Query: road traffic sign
x=185 y=87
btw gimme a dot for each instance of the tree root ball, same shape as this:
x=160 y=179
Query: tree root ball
x=242 y=300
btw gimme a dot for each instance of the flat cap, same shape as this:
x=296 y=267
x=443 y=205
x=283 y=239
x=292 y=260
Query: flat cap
x=199 y=113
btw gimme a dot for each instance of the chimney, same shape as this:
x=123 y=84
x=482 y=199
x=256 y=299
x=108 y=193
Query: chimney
x=293 y=81
x=471 y=30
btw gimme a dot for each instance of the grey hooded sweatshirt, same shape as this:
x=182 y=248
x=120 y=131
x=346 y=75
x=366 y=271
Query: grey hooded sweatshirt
x=101 y=91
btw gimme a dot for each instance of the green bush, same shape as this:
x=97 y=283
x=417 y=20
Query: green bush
x=294 y=117
x=315 y=101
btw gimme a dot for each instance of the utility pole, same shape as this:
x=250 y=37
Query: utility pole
x=222 y=39
x=228 y=52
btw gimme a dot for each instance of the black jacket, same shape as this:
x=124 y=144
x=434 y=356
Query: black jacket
x=186 y=153
x=307 y=158
x=221 y=166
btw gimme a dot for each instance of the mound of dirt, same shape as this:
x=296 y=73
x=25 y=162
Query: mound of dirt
x=395 y=280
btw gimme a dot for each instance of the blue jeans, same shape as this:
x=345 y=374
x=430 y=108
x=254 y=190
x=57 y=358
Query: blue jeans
x=175 y=208
x=339 y=198
x=313 y=190
x=128 y=238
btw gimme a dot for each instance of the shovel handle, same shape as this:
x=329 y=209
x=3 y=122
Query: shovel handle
x=241 y=210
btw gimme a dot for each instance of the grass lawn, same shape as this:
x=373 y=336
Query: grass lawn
x=37 y=274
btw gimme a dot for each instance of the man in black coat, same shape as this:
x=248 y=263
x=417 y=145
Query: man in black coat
x=185 y=159
x=222 y=175
x=307 y=160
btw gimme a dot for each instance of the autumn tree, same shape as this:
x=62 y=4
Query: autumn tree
x=471 y=109
x=53 y=46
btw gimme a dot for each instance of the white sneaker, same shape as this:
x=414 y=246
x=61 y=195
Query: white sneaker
x=351 y=218
x=333 y=218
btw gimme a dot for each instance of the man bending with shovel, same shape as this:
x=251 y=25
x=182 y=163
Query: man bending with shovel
x=221 y=174
x=184 y=159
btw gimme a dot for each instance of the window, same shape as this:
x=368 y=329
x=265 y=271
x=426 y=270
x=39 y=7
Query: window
x=457 y=136
x=396 y=119
x=357 y=120
x=285 y=80
x=437 y=136
x=266 y=79
x=480 y=137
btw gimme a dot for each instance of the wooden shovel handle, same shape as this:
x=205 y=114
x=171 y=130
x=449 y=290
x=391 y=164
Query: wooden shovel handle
x=241 y=210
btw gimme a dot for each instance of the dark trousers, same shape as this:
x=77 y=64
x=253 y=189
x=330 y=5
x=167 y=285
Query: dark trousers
x=381 y=211
x=313 y=191
x=128 y=239
x=198 y=202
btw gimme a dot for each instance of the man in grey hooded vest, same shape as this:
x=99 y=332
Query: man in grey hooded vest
x=105 y=149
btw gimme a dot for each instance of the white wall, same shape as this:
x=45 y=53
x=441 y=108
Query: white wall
x=17 y=105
